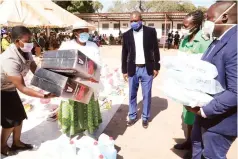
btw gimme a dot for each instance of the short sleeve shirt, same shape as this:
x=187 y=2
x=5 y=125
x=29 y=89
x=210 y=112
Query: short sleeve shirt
x=198 y=45
x=13 y=64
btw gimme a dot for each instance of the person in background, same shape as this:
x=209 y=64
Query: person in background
x=215 y=127
x=140 y=64
x=15 y=63
x=75 y=117
x=176 y=40
x=5 y=43
x=41 y=41
x=170 y=39
x=193 y=43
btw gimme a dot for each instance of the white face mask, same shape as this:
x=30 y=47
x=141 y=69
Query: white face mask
x=187 y=32
x=27 y=47
x=209 y=26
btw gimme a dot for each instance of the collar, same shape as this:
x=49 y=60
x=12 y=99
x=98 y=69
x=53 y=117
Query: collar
x=139 y=30
x=15 y=50
x=225 y=32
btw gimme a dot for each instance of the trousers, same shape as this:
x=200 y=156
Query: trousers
x=141 y=76
x=209 y=145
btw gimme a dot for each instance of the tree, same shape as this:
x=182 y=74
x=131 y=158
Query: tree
x=203 y=9
x=153 y=6
x=80 y=6
x=97 y=6
x=187 y=7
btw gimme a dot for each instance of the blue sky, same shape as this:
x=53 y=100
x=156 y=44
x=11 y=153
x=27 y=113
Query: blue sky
x=207 y=3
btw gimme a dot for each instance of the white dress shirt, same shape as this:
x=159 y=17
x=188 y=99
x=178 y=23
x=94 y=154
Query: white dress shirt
x=138 y=37
x=202 y=112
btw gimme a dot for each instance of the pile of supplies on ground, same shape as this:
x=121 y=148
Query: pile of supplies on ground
x=113 y=85
x=189 y=80
x=85 y=148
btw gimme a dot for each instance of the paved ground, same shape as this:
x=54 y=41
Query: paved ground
x=165 y=130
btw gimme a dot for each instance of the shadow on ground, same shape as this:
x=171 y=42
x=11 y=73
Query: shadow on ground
x=117 y=125
x=157 y=105
x=179 y=153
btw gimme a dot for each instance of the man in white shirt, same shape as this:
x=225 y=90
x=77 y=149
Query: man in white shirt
x=140 y=63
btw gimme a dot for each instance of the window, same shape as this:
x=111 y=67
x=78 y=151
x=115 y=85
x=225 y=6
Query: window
x=116 y=26
x=125 y=25
x=179 y=26
x=151 y=24
x=168 y=27
x=105 y=26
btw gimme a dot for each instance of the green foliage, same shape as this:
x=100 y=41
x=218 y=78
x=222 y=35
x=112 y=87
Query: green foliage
x=154 y=6
x=80 y=6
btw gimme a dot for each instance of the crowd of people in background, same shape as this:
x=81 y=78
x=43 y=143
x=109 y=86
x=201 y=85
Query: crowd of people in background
x=42 y=42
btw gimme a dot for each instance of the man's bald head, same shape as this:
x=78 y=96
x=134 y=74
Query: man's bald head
x=224 y=14
x=136 y=16
x=220 y=7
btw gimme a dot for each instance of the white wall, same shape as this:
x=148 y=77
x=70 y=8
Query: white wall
x=115 y=32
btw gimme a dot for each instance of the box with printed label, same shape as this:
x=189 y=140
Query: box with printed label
x=71 y=62
x=61 y=86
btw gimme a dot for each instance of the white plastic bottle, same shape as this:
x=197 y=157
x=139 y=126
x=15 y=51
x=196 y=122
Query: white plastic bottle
x=97 y=154
x=106 y=146
x=69 y=151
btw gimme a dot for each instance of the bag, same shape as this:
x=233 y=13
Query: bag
x=190 y=64
x=184 y=96
x=194 y=82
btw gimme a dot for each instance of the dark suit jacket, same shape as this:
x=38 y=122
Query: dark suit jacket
x=221 y=112
x=151 y=51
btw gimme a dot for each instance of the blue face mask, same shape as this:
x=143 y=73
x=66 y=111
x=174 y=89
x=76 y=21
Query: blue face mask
x=136 y=25
x=83 y=37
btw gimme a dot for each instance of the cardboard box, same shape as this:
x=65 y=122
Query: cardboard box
x=71 y=63
x=62 y=86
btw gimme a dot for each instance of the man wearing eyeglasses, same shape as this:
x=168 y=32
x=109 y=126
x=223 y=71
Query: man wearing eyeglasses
x=140 y=64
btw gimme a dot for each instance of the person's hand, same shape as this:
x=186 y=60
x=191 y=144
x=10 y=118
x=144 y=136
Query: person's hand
x=49 y=95
x=125 y=76
x=155 y=74
x=195 y=110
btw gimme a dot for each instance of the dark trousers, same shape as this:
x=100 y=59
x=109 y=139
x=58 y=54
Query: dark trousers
x=209 y=145
x=142 y=76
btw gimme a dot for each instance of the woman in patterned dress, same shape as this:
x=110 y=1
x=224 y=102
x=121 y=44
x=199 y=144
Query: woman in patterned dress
x=75 y=117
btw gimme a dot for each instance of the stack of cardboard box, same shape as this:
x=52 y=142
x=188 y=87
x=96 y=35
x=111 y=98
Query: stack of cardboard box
x=61 y=73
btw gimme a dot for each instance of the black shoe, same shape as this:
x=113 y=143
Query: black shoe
x=8 y=152
x=145 y=124
x=187 y=145
x=22 y=148
x=131 y=122
x=188 y=155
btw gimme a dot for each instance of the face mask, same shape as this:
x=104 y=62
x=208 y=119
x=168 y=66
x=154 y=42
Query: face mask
x=27 y=47
x=209 y=26
x=187 y=32
x=83 y=37
x=136 y=25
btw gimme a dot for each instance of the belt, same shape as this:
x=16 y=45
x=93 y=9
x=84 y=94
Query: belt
x=140 y=65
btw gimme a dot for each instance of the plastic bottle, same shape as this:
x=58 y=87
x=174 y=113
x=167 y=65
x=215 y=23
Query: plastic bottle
x=85 y=153
x=97 y=154
x=106 y=146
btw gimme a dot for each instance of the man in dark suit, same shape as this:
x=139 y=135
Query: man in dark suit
x=140 y=63
x=215 y=127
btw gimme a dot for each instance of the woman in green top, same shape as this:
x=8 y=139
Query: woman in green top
x=193 y=43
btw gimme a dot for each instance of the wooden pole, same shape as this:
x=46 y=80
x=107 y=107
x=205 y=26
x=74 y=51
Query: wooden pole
x=165 y=28
x=98 y=24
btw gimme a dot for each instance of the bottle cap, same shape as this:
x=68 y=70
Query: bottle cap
x=101 y=157
x=95 y=143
